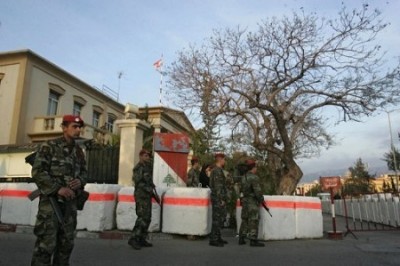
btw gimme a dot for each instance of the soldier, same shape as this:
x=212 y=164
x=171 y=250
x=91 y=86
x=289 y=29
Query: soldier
x=194 y=173
x=143 y=180
x=251 y=198
x=59 y=171
x=218 y=200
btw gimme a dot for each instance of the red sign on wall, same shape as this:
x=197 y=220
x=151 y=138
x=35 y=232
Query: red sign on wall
x=330 y=182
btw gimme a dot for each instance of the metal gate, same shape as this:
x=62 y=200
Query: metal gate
x=102 y=164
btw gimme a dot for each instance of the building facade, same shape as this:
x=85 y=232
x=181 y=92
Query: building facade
x=35 y=94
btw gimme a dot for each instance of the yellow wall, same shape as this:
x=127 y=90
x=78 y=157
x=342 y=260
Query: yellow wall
x=8 y=90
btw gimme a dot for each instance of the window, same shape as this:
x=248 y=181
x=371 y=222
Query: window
x=96 y=119
x=110 y=122
x=52 y=106
x=77 y=109
x=1 y=77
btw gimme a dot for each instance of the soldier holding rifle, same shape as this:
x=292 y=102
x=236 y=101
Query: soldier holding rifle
x=251 y=198
x=59 y=171
x=144 y=192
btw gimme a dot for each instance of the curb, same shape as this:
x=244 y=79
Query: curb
x=112 y=234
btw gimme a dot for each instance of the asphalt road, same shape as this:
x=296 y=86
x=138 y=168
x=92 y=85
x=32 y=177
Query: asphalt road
x=371 y=248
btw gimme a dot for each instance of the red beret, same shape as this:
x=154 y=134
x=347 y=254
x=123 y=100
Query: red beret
x=194 y=159
x=143 y=151
x=219 y=155
x=74 y=119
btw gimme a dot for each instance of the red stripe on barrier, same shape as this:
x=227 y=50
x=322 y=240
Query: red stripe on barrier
x=290 y=205
x=101 y=197
x=126 y=198
x=15 y=193
x=308 y=205
x=280 y=204
x=130 y=198
x=187 y=201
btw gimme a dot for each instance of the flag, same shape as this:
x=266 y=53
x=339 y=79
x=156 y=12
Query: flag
x=158 y=64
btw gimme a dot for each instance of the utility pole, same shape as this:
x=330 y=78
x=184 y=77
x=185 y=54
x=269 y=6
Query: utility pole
x=120 y=74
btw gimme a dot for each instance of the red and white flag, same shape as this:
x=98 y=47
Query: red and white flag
x=158 y=64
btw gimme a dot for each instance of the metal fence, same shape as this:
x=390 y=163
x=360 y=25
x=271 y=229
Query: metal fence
x=368 y=212
x=102 y=164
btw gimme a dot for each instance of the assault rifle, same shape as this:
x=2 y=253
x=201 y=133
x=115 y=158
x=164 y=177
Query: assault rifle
x=53 y=200
x=54 y=205
x=155 y=196
x=266 y=208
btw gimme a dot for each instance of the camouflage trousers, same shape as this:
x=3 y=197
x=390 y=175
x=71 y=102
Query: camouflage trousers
x=250 y=219
x=143 y=212
x=218 y=218
x=54 y=244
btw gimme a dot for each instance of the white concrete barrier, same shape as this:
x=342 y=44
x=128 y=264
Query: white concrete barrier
x=99 y=211
x=126 y=211
x=283 y=223
x=293 y=217
x=2 y=187
x=187 y=211
x=16 y=207
x=309 y=222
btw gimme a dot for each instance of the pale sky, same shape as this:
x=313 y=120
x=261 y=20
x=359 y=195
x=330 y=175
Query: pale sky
x=96 y=39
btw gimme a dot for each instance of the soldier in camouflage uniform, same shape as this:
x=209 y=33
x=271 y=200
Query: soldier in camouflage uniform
x=59 y=171
x=251 y=198
x=143 y=181
x=218 y=200
x=194 y=173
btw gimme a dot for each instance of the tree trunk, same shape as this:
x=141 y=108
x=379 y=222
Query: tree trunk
x=291 y=176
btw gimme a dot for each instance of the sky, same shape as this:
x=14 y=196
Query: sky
x=95 y=40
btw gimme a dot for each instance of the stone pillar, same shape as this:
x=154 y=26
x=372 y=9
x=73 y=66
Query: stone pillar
x=130 y=145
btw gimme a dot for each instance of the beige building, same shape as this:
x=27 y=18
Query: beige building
x=35 y=94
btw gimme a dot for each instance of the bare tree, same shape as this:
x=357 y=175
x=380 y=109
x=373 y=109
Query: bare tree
x=278 y=84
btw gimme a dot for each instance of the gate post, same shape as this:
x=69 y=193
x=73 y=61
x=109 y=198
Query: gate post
x=130 y=145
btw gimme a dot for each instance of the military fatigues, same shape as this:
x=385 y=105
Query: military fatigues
x=56 y=164
x=143 y=179
x=218 y=201
x=193 y=178
x=251 y=199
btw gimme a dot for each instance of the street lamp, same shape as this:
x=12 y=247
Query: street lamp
x=393 y=148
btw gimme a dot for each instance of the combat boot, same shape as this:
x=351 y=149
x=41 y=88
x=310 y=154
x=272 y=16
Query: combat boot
x=216 y=243
x=256 y=243
x=144 y=243
x=241 y=240
x=135 y=243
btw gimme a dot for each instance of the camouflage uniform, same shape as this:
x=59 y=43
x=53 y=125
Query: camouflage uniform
x=56 y=164
x=251 y=200
x=143 y=179
x=218 y=201
x=193 y=177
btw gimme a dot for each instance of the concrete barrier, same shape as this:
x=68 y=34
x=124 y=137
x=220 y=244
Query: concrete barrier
x=293 y=217
x=126 y=211
x=2 y=187
x=16 y=207
x=187 y=211
x=99 y=211
x=282 y=225
x=309 y=222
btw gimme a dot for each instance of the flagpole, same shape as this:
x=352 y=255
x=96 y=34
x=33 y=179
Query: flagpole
x=161 y=81
x=161 y=85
